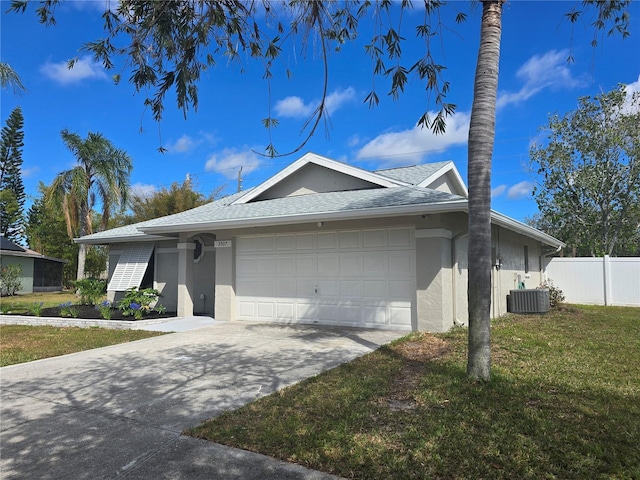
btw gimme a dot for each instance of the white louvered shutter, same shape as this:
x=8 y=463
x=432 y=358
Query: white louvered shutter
x=131 y=267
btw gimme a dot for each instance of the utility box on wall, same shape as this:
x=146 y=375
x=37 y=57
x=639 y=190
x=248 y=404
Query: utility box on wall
x=528 y=301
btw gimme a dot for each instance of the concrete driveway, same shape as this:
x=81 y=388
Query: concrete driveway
x=117 y=412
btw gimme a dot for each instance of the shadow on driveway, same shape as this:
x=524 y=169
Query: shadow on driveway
x=118 y=411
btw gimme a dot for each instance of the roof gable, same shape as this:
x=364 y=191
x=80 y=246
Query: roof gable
x=441 y=176
x=301 y=177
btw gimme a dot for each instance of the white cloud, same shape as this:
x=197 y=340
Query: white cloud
x=499 y=190
x=417 y=143
x=143 y=190
x=520 y=190
x=631 y=89
x=230 y=160
x=29 y=172
x=294 y=107
x=83 y=69
x=550 y=70
x=97 y=5
x=183 y=144
x=338 y=98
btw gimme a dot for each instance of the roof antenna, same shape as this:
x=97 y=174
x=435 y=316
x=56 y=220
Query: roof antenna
x=240 y=180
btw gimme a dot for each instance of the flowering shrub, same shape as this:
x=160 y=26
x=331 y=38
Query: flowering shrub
x=556 y=296
x=10 y=279
x=105 y=309
x=138 y=302
x=68 y=310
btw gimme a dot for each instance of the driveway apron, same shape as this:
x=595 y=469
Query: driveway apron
x=118 y=412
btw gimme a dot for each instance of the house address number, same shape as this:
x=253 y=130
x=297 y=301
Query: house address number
x=222 y=243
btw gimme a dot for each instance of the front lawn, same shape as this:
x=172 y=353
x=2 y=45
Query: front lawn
x=564 y=403
x=24 y=303
x=20 y=343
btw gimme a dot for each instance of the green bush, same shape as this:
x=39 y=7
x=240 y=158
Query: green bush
x=90 y=290
x=138 y=302
x=10 y=279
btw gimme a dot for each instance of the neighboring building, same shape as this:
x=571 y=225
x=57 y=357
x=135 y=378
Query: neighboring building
x=327 y=243
x=39 y=273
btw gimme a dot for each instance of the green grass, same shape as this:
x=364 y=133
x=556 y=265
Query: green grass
x=19 y=343
x=23 y=302
x=564 y=403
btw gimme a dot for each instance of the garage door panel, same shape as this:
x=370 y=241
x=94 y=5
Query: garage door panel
x=327 y=240
x=375 y=315
x=374 y=263
x=349 y=265
x=349 y=239
x=375 y=289
x=401 y=263
x=328 y=265
x=355 y=277
x=246 y=310
x=373 y=238
x=305 y=288
x=266 y=310
x=286 y=287
x=285 y=311
x=400 y=316
x=328 y=288
x=306 y=265
x=350 y=313
x=305 y=311
x=286 y=265
x=400 y=290
x=351 y=288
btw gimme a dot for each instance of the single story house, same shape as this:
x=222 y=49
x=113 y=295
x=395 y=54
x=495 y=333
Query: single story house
x=324 y=242
x=39 y=273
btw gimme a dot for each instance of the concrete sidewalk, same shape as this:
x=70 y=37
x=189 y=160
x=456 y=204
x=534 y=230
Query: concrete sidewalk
x=118 y=412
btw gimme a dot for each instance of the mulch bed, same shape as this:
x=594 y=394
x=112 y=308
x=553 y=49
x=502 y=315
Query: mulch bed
x=90 y=313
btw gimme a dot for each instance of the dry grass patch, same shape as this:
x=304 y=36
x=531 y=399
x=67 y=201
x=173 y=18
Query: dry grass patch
x=20 y=343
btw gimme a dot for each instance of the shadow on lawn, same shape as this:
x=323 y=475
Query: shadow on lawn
x=104 y=413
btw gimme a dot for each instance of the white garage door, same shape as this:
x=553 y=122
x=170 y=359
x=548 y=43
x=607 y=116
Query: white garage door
x=357 y=278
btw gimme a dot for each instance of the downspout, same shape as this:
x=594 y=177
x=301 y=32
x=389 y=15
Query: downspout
x=454 y=274
x=556 y=251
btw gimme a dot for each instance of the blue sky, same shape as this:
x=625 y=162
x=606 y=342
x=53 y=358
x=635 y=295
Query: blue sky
x=223 y=135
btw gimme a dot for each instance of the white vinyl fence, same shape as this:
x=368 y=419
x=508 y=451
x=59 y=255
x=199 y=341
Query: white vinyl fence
x=597 y=281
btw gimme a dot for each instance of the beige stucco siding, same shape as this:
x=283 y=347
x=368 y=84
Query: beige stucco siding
x=316 y=179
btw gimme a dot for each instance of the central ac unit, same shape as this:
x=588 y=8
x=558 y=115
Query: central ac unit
x=529 y=301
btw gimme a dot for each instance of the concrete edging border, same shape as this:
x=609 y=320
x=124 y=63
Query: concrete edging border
x=8 y=319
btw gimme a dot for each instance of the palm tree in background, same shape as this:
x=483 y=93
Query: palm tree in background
x=101 y=176
x=9 y=78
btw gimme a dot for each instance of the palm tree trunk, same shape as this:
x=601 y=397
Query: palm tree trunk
x=481 y=137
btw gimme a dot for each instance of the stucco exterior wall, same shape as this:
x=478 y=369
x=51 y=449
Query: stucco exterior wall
x=166 y=274
x=434 y=280
x=26 y=263
x=316 y=179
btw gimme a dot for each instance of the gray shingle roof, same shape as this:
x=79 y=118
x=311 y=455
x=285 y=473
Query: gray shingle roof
x=414 y=174
x=222 y=211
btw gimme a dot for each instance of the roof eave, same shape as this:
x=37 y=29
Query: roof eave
x=120 y=239
x=441 y=207
x=515 y=225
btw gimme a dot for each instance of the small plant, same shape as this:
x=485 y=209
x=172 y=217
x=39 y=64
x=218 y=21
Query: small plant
x=160 y=308
x=5 y=308
x=90 y=290
x=36 y=308
x=556 y=296
x=68 y=310
x=138 y=302
x=105 y=309
x=10 y=279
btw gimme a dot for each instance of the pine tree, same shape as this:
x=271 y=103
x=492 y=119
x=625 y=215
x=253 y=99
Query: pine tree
x=12 y=195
